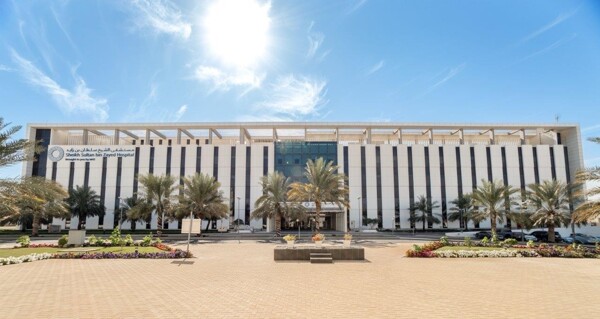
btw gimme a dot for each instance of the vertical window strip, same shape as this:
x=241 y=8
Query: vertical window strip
x=117 y=192
x=216 y=163
x=521 y=172
x=505 y=179
x=459 y=179
x=363 y=180
x=346 y=182
x=536 y=169
x=86 y=175
x=169 y=151
x=247 y=188
x=103 y=190
x=232 y=183
x=54 y=169
x=71 y=174
x=411 y=185
x=428 y=186
x=552 y=163
x=136 y=171
x=488 y=155
x=265 y=160
x=474 y=175
x=443 y=189
x=568 y=172
x=198 y=158
x=396 y=188
x=181 y=176
x=151 y=166
x=379 y=199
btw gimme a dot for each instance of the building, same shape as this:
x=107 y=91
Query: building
x=388 y=165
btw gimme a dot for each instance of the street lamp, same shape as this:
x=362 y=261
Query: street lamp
x=359 y=214
x=523 y=205
x=236 y=221
x=190 y=232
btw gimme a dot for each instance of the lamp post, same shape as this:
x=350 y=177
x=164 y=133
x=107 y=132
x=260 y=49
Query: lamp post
x=359 y=214
x=236 y=221
x=523 y=205
x=190 y=230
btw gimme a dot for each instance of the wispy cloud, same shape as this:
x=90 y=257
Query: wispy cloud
x=221 y=80
x=550 y=47
x=63 y=29
x=77 y=100
x=5 y=68
x=591 y=128
x=180 y=112
x=357 y=5
x=162 y=16
x=323 y=55
x=561 y=18
x=315 y=40
x=292 y=97
x=138 y=111
x=449 y=75
x=376 y=67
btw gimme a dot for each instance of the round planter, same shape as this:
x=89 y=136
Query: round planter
x=290 y=243
x=319 y=243
x=347 y=243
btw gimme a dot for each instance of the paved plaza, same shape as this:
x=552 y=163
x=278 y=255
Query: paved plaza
x=231 y=280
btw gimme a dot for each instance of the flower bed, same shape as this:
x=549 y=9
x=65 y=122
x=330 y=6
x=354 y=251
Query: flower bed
x=502 y=249
x=177 y=253
x=24 y=259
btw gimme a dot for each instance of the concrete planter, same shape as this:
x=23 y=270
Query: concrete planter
x=347 y=242
x=76 y=237
x=290 y=243
x=319 y=243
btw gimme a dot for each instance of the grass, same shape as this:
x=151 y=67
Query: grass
x=16 y=252
x=471 y=248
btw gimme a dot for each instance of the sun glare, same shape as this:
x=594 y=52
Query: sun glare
x=237 y=32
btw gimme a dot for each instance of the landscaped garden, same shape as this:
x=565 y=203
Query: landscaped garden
x=507 y=248
x=113 y=247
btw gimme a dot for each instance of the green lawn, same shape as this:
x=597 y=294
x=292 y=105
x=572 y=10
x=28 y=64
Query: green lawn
x=16 y=252
x=471 y=248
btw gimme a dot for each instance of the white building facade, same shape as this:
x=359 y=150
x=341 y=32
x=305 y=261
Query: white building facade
x=389 y=165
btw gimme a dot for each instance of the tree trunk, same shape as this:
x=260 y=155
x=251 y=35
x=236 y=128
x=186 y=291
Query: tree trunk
x=278 y=224
x=493 y=224
x=35 y=229
x=572 y=227
x=424 y=219
x=133 y=224
x=80 y=221
x=318 y=213
x=466 y=221
x=159 y=223
x=208 y=224
x=551 y=236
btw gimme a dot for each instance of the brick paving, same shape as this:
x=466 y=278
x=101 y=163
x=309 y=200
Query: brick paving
x=231 y=280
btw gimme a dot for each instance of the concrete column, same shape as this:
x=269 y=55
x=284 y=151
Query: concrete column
x=147 y=137
x=85 y=137
x=178 y=137
x=116 y=138
x=369 y=139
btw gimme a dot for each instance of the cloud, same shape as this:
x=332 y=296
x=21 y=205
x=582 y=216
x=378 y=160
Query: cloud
x=315 y=40
x=162 y=16
x=550 y=47
x=591 y=128
x=180 y=113
x=561 y=18
x=5 y=68
x=376 y=67
x=294 y=97
x=224 y=81
x=77 y=100
x=451 y=73
x=357 y=5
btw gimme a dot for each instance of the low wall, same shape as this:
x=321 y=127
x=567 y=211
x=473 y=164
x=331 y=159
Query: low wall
x=303 y=252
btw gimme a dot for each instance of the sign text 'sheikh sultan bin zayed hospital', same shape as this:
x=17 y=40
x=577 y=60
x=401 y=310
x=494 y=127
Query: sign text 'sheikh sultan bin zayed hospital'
x=87 y=153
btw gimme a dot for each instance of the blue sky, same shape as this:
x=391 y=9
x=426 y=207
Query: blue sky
x=251 y=60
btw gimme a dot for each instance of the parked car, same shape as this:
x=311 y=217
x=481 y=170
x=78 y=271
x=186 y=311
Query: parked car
x=525 y=237
x=502 y=234
x=483 y=234
x=542 y=235
x=580 y=238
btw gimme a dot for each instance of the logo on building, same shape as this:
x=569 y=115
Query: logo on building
x=56 y=153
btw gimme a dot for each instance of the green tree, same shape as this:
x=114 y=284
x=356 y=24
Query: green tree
x=84 y=202
x=159 y=191
x=462 y=210
x=14 y=150
x=491 y=198
x=274 y=200
x=201 y=196
x=137 y=209
x=522 y=215
x=425 y=207
x=551 y=201
x=324 y=185
x=36 y=199
x=590 y=208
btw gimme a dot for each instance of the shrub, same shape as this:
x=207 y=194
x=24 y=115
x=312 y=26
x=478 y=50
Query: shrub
x=347 y=236
x=24 y=241
x=495 y=239
x=444 y=240
x=318 y=237
x=62 y=241
x=485 y=240
x=115 y=237
x=468 y=241
x=509 y=242
x=484 y=253
x=24 y=259
x=289 y=237
x=530 y=243
x=128 y=240
x=147 y=240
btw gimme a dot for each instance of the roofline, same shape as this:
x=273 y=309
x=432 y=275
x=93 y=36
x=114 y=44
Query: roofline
x=302 y=125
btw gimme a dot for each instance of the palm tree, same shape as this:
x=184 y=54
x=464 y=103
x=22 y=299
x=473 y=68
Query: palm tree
x=84 y=202
x=137 y=209
x=591 y=207
x=425 y=207
x=201 y=196
x=522 y=216
x=13 y=151
x=491 y=198
x=551 y=200
x=274 y=200
x=324 y=185
x=159 y=191
x=34 y=198
x=463 y=210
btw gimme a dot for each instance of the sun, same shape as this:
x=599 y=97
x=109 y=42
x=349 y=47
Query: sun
x=237 y=32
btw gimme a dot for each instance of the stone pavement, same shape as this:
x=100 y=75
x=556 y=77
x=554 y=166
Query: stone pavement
x=231 y=280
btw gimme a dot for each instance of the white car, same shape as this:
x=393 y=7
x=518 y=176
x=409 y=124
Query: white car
x=530 y=237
